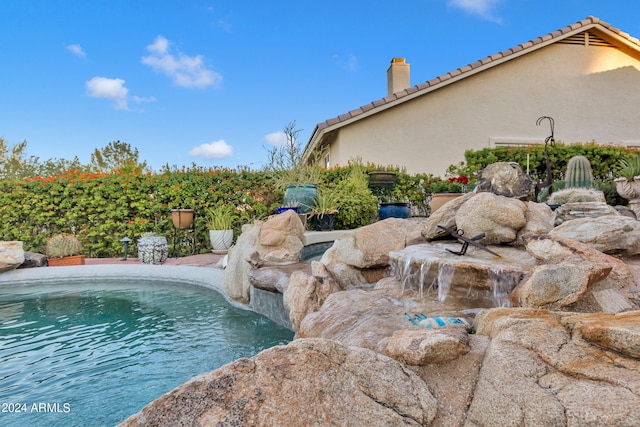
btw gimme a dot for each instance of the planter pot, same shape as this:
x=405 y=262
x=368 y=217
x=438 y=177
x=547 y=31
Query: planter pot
x=325 y=222
x=382 y=179
x=66 y=261
x=221 y=240
x=182 y=218
x=630 y=190
x=439 y=199
x=301 y=195
x=153 y=250
x=394 y=210
x=287 y=208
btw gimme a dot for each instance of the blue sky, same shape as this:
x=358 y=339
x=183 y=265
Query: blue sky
x=214 y=82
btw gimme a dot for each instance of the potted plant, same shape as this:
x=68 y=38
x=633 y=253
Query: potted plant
x=444 y=191
x=324 y=210
x=64 y=249
x=219 y=221
x=382 y=179
x=290 y=173
x=300 y=187
x=182 y=218
x=152 y=249
x=628 y=182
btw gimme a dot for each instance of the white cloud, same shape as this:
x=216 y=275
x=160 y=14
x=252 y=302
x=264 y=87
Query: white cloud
x=215 y=150
x=279 y=138
x=140 y=99
x=225 y=25
x=483 y=8
x=76 y=49
x=113 y=89
x=350 y=63
x=185 y=71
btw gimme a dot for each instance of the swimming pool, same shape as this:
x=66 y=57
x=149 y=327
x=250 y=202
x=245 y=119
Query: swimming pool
x=92 y=353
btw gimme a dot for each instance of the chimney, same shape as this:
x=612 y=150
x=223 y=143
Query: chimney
x=398 y=76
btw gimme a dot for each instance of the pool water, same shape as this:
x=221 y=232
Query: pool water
x=93 y=354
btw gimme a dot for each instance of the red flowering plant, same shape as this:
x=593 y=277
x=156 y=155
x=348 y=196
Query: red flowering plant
x=454 y=184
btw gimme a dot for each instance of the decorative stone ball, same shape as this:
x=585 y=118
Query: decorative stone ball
x=153 y=250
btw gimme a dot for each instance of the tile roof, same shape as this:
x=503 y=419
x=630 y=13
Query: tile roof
x=469 y=69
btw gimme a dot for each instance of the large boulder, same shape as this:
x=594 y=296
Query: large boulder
x=539 y=220
x=276 y=242
x=424 y=346
x=505 y=179
x=364 y=318
x=308 y=382
x=499 y=217
x=34 y=260
x=11 y=255
x=281 y=239
x=541 y=369
x=362 y=255
x=569 y=211
x=275 y=278
x=445 y=216
x=236 y=276
x=611 y=234
x=615 y=292
x=558 y=285
x=306 y=294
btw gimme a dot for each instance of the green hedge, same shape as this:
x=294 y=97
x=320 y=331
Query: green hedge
x=100 y=209
x=604 y=158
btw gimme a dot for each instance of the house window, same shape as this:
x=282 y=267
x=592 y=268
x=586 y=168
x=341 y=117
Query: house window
x=495 y=141
x=327 y=164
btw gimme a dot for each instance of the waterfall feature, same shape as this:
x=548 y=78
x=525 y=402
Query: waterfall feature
x=475 y=280
x=445 y=275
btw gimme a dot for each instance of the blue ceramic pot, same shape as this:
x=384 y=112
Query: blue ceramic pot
x=301 y=195
x=288 y=208
x=394 y=210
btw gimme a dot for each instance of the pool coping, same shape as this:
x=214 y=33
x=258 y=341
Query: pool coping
x=207 y=277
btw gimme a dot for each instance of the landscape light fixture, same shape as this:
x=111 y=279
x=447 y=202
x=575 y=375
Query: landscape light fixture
x=126 y=241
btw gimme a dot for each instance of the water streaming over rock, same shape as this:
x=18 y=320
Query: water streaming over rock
x=475 y=280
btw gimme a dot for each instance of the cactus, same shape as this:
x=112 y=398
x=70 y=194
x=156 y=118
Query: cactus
x=62 y=245
x=579 y=173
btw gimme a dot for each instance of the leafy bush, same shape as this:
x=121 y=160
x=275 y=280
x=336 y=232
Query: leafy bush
x=101 y=208
x=358 y=205
x=603 y=158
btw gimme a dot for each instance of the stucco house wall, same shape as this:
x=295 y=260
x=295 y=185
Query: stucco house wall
x=591 y=91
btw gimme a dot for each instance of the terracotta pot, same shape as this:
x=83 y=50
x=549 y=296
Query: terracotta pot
x=439 y=199
x=66 y=261
x=182 y=218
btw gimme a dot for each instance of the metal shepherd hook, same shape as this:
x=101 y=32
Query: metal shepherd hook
x=548 y=141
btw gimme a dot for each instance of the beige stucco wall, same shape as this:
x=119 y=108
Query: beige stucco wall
x=593 y=93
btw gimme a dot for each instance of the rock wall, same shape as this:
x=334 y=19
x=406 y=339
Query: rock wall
x=569 y=357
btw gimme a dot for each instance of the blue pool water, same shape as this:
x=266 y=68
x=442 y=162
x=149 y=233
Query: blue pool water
x=93 y=354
